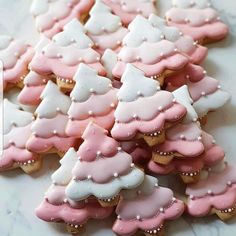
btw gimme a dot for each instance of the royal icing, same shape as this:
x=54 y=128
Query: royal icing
x=109 y=60
x=15 y=55
x=104 y=28
x=16 y=132
x=34 y=85
x=135 y=214
x=130 y=116
x=127 y=10
x=67 y=49
x=89 y=177
x=185 y=44
x=52 y=15
x=49 y=127
x=145 y=47
x=197 y=19
x=93 y=99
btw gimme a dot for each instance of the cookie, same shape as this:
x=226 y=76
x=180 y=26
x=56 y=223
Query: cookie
x=184 y=43
x=34 y=85
x=93 y=99
x=215 y=193
x=56 y=207
x=145 y=47
x=206 y=93
x=127 y=10
x=109 y=60
x=105 y=28
x=63 y=54
x=97 y=153
x=197 y=19
x=16 y=132
x=15 y=55
x=48 y=130
x=134 y=122
x=190 y=169
x=51 y=16
x=146 y=209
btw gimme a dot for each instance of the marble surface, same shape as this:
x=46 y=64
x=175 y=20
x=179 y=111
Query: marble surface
x=20 y=194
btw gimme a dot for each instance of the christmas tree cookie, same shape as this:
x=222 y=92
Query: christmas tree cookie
x=146 y=48
x=103 y=169
x=93 y=99
x=105 y=28
x=144 y=111
x=16 y=132
x=57 y=208
x=15 y=55
x=48 y=130
x=63 y=54
x=146 y=209
x=197 y=19
x=127 y=10
x=184 y=43
x=51 y=16
x=215 y=193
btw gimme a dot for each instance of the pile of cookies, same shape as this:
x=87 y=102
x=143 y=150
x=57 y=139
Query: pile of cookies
x=120 y=95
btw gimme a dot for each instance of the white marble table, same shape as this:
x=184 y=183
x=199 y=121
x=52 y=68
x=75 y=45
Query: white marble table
x=20 y=194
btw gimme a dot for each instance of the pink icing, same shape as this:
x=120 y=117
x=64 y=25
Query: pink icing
x=15 y=57
x=96 y=137
x=127 y=131
x=127 y=10
x=64 y=213
x=202 y=23
x=48 y=63
x=47 y=24
x=130 y=227
x=41 y=145
x=161 y=57
x=120 y=164
x=202 y=206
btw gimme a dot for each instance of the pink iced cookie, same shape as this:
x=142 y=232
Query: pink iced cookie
x=96 y=154
x=16 y=132
x=206 y=93
x=127 y=10
x=93 y=99
x=48 y=130
x=146 y=208
x=184 y=43
x=51 y=16
x=214 y=193
x=104 y=28
x=212 y=155
x=145 y=48
x=62 y=55
x=34 y=86
x=197 y=19
x=15 y=55
x=136 y=93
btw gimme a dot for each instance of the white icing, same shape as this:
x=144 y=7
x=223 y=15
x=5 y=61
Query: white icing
x=191 y=3
x=146 y=188
x=183 y=97
x=63 y=175
x=5 y=40
x=79 y=190
x=53 y=102
x=88 y=82
x=109 y=60
x=136 y=36
x=102 y=20
x=135 y=82
x=13 y=116
x=210 y=102
x=39 y=7
x=73 y=33
x=41 y=44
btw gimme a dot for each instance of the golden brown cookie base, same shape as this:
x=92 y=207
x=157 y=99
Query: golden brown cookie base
x=65 y=86
x=162 y=159
x=190 y=178
x=110 y=202
x=157 y=232
x=75 y=229
x=30 y=168
x=152 y=140
x=203 y=120
x=226 y=214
